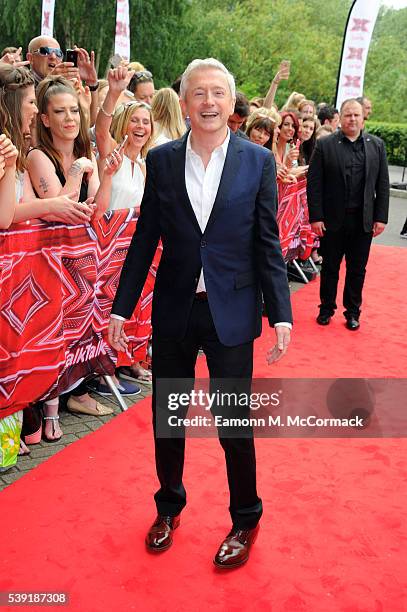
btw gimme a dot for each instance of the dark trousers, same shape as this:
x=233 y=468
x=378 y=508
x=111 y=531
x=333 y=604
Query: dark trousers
x=354 y=243
x=176 y=359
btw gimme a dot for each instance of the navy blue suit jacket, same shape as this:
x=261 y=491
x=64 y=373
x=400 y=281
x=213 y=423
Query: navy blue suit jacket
x=239 y=250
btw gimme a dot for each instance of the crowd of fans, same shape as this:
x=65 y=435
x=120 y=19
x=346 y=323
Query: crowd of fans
x=73 y=146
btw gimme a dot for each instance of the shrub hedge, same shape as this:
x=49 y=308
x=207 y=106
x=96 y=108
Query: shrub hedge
x=395 y=138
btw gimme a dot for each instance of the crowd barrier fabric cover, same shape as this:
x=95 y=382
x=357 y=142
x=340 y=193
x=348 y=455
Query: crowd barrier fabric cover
x=296 y=236
x=57 y=283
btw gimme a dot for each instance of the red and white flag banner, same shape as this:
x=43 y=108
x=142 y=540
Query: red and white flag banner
x=122 y=37
x=47 y=18
x=359 y=29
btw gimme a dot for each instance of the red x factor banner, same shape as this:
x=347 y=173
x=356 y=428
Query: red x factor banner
x=296 y=236
x=358 y=33
x=57 y=284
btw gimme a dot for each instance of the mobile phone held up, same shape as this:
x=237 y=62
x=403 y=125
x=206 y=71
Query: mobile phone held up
x=72 y=56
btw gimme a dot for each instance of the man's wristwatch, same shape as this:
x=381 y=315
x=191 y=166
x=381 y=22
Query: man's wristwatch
x=94 y=87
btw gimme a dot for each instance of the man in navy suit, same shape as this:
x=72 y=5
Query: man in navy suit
x=211 y=198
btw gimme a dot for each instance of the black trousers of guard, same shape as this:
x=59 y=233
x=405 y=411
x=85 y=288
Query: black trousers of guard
x=175 y=360
x=354 y=243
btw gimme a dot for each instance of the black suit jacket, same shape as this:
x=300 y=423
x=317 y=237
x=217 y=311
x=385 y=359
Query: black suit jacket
x=239 y=250
x=326 y=187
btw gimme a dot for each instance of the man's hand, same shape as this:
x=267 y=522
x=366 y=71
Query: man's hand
x=283 y=336
x=318 y=227
x=378 y=227
x=116 y=336
x=86 y=65
x=67 y=70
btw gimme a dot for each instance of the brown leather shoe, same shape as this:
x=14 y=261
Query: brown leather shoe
x=235 y=549
x=159 y=536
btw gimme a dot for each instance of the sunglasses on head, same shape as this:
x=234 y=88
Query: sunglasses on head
x=49 y=50
x=125 y=105
x=143 y=75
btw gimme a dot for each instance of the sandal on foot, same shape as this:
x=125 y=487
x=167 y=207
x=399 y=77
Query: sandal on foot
x=23 y=450
x=54 y=419
x=78 y=408
x=143 y=377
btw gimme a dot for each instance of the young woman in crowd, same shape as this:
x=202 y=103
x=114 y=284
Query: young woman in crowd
x=131 y=126
x=168 y=121
x=262 y=129
x=293 y=101
x=287 y=152
x=63 y=163
x=306 y=108
x=307 y=136
x=17 y=111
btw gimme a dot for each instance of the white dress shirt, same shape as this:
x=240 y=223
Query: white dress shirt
x=202 y=186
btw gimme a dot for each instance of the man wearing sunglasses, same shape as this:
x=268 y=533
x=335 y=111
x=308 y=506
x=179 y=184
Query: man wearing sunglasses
x=45 y=57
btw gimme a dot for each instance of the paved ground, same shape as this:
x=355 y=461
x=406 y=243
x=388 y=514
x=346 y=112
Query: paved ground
x=76 y=427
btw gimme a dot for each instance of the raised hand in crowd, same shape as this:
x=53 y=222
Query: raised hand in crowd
x=88 y=74
x=118 y=79
x=67 y=70
x=86 y=66
x=85 y=98
x=14 y=58
x=282 y=73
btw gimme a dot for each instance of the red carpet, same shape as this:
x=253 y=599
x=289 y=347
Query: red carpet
x=333 y=535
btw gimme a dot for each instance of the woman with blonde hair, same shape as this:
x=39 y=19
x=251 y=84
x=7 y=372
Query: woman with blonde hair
x=129 y=126
x=168 y=121
x=293 y=101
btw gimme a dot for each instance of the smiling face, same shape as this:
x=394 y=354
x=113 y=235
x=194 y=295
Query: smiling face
x=43 y=64
x=139 y=128
x=208 y=101
x=28 y=109
x=62 y=116
x=287 y=129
